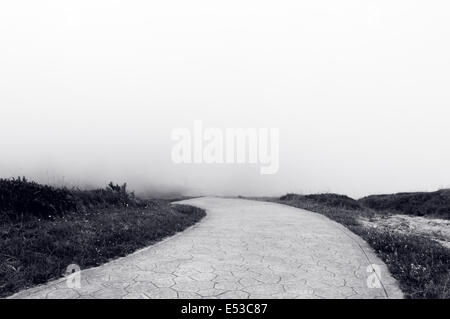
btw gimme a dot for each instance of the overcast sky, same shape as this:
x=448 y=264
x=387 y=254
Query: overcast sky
x=91 y=90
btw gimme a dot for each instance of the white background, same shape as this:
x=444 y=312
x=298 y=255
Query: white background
x=91 y=89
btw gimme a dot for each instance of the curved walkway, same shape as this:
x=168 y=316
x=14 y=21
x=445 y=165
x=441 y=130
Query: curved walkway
x=241 y=249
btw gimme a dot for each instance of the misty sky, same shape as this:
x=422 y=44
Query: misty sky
x=91 y=90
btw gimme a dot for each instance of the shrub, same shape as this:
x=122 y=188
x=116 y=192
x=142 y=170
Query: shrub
x=21 y=199
x=332 y=200
x=420 y=204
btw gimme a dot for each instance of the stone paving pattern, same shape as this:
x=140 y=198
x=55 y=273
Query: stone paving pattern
x=241 y=249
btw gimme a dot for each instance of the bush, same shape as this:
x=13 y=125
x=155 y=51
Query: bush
x=419 y=204
x=21 y=199
x=112 y=196
x=332 y=200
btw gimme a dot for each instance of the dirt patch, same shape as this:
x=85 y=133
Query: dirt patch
x=433 y=228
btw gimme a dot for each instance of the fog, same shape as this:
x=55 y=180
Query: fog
x=90 y=91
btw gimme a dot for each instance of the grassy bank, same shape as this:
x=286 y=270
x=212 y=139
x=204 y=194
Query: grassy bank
x=44 y=229
x=433 y=204
x=421 y=266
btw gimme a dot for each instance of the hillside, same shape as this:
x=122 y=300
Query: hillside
x=436 y=204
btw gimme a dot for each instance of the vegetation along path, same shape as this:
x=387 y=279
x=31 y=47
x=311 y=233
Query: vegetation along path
x=241 y=249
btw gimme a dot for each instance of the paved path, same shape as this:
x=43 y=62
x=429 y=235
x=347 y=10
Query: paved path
x=242 y=249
